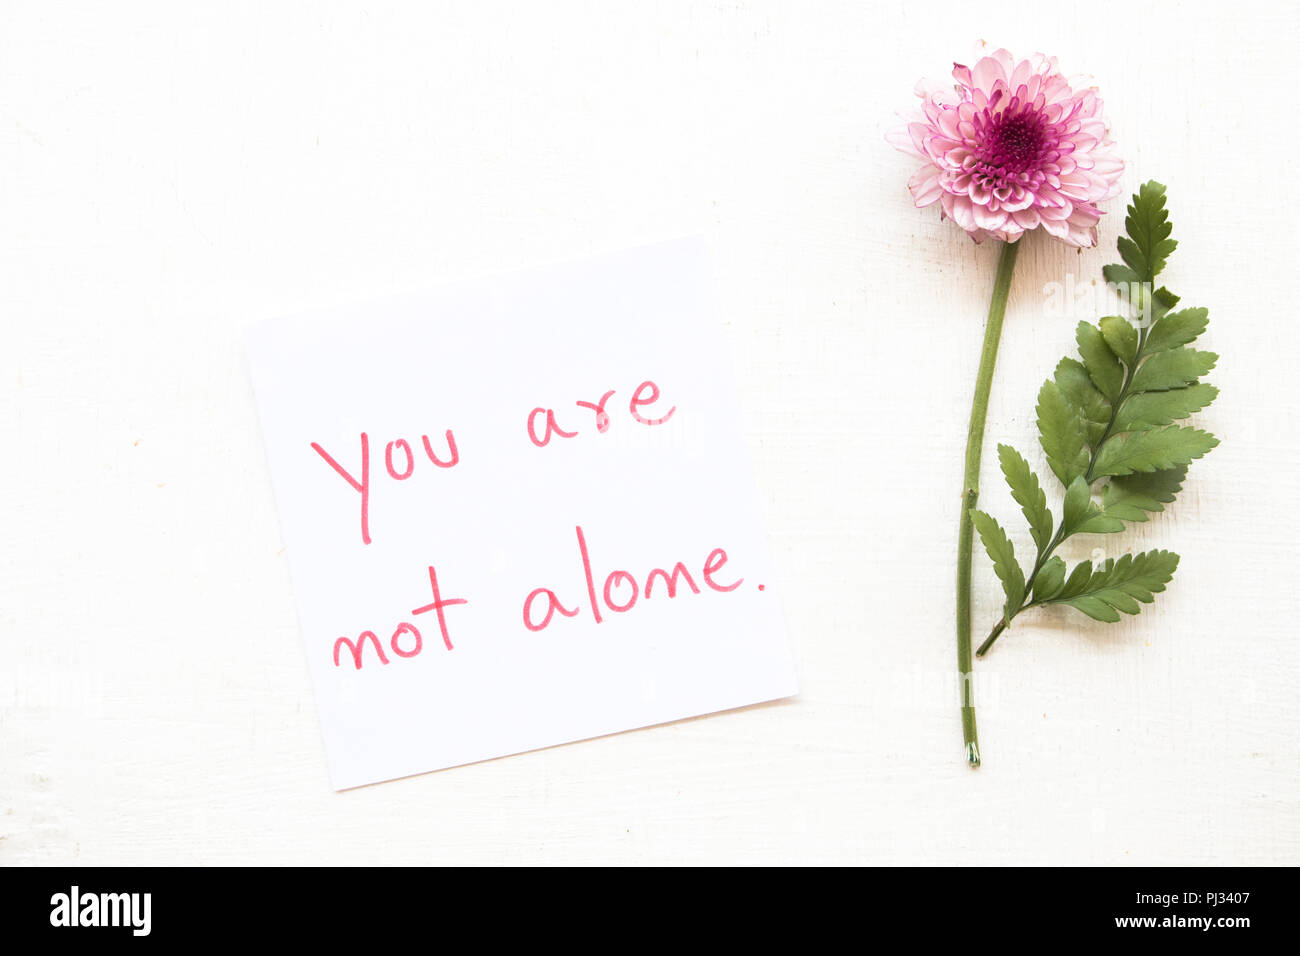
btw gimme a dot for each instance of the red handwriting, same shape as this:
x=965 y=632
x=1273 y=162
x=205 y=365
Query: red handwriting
x=362 y=486
x=553 y=605
x=638 y=401
x=403 y=455
x=437 y=605
x=670 y=581
x=615 y=591
x=619 y=590
x=410 y=459
x=551 y=427
x=357 y=648
x=647 y=393
x=602 y=416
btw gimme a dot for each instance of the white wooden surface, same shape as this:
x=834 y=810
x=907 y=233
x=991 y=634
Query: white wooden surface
x=170 y=173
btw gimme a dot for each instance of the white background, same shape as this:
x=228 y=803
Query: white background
x=172 y=173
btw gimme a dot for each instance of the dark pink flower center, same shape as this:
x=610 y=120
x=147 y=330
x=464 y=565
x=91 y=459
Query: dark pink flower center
x=1012 y=143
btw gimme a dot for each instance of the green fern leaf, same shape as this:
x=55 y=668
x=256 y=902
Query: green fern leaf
x=1081 y=516
x=1075 y=384
x=1121 y=337
x=1003 y=554
x=1147 y=246
x=1060 y=432
x=1153 y=409
x=1177 y=328
x=1050 y=579
x=1120 y=585
x=1152 y=450
x=1028 y=494
x=1122 y=276
x=1175 y=368
x=1103 y=368
x=1132 y=497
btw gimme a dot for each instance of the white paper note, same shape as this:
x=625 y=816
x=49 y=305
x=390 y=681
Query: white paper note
x=518 y=513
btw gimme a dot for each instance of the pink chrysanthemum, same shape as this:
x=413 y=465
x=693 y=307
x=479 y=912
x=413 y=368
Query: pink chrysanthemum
x=1013 y=146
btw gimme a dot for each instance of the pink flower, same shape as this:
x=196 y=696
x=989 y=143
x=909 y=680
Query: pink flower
x=1013 y=146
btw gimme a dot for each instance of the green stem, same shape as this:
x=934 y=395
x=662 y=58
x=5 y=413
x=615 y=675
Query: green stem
x=998 y=628
x=971 y=491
